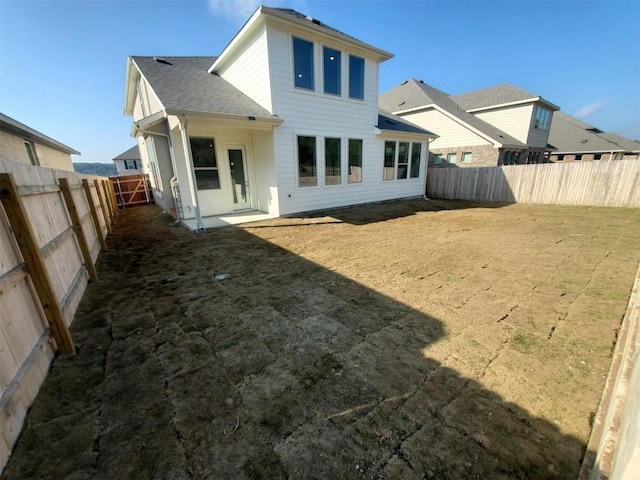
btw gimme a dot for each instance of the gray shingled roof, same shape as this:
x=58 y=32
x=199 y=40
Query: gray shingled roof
x=487 y=97
x=132 y=154
x=183 y=85
x=8 y=124
x=317 y=24
x=389 y=121
x=626 y=143
x=415 y=93
x=569 y=135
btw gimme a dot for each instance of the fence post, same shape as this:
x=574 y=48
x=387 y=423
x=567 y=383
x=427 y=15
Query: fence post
x=114 y=197
x=94 y=213
x=77 y=228
x=103 y=207
x=108 y=199
x=34 y=263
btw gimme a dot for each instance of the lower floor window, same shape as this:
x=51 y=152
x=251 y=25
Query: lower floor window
x=355 y=161
x=332 y=163
x=452 y=158
x=31 y=152
x=438 y=158
x=205 y=163
x=130 y=165
x=307 y=168
x=467 y=157
x=402 y=160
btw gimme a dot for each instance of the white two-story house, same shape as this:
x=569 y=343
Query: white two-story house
x=284 y=120
x=501 y=125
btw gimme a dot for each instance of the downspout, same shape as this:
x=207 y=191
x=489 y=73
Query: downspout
x=183 y=121
x=426 y=171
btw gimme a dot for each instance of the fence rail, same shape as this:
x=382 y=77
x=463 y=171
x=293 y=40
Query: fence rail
x=611 y=184
x=53 y=225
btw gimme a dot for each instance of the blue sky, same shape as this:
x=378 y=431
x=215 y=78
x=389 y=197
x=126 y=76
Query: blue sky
x=62 y=63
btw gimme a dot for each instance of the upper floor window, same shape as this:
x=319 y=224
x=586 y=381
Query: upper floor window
x=542 y=119
x=356 y=77
x=31 y=152
x=303 y=63
x=332 y=80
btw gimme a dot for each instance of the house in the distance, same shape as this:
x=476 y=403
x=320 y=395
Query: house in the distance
x=23 y=144
x=284 y=120
x=129 y=162
x=501 y=125
x=575 y=140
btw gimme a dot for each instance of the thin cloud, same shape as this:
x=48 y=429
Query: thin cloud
x=589 y=109
x=241 y=10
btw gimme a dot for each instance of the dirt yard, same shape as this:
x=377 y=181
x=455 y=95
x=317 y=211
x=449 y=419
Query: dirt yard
x=414 y=339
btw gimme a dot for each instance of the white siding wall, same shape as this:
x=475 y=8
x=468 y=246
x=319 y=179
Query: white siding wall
x=451 y=133
x=248 y=70
x=265 y=172
x=515 y=121
x=315 y=114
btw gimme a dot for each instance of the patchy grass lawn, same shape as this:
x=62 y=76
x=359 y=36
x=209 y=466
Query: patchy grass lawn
x=413 y=339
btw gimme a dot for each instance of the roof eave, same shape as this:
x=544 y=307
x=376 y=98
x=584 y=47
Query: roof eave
x=248 y=27
x=129 y=90
x=404 y=134
x=225 y=116
x=34 y=137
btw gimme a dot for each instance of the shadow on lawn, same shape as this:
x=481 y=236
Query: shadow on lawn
x=372 y=213
x=285 y=369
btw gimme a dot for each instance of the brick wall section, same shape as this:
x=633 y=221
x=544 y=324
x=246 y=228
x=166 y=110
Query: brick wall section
x=482 y=156
x=589 y=157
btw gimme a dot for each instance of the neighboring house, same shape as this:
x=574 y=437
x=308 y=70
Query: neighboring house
x=575 y=140
x=129 y=162
x=500 y=125
x=285 y=120
x=20 y=143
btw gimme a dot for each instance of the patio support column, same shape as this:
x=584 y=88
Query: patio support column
x=192 y=173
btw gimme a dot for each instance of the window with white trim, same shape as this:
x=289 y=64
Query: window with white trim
x=205 y=163
x=31 y=152
x=332 y=163
x=355 y=161
x=303 y=63
x=332 y=67
x=542 y=119
x=307 y=166
x=356 y=77
x=130 y=165
x=401 y=160
x=153 y=163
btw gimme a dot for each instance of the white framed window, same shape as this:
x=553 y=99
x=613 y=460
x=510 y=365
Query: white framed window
x=332 y=161
x=130 y=165
x=467 y=157
x=153 y=163
x=355 y=161
x=331 y=62
x=401 y=160
x=356 y=77
x=31 y=152
x=542 y=119
x=303 y=64
x=205 y=163
x=452 y=158
x=307 y=165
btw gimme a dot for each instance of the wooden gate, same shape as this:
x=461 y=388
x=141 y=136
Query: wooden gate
x=132 y=190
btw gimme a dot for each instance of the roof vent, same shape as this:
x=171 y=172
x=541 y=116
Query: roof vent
x=404 y=83
x=401 y=103
x=584 y=140
x=162 y=60
x=251 y=117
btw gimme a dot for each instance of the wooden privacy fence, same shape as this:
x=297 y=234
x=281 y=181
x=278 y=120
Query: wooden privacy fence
x=610 y=183
x=132 y=190
x=53 y=225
